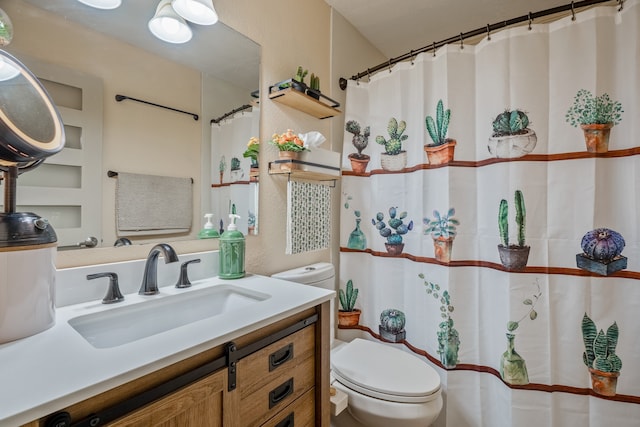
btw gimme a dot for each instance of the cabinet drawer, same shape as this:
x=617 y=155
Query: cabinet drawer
x=300 y=413
x=260 y=368
x=272 y=378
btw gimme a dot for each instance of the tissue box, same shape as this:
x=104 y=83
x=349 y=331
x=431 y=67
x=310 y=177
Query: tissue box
x=321 y=161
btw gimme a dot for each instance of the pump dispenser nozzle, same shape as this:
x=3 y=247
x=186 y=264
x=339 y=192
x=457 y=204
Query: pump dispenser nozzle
x=208 y=232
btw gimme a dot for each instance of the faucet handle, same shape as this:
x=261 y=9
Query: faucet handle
x=183 y=280
x=113 y=291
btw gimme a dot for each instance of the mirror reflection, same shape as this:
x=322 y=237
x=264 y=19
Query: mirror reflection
x=84 y=57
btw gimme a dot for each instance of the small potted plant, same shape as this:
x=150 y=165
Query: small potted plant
x=298 y=81
x=360 y=141
x=600 y=356
x=394 y=158
x=448 y=337
x=513 y=257
x=394 y=231
x=391 y=326
x=601 y=252
x=314 y=86
x=513 y=368
x=348 y=315
x=251 y=223
x=442 y=229
x=222 y=166
x=511 y=135
x=596 y=115
x=236 y=171
x=252 y=152
x=289 y=147
x=441 y=150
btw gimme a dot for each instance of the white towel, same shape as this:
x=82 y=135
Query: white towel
x=150 y=204
x=309 y=217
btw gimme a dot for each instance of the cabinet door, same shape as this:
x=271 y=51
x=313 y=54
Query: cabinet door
x=197 y=405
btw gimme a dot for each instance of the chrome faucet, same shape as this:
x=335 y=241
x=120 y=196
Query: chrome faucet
x=150 y=280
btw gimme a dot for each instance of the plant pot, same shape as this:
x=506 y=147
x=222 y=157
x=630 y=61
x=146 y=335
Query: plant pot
x=440 y=154
x=394 y=248
x=442 y=248
x=448 y=347
x=359 y=163
x=221 y=177
x=315 y=94
x=513 y=368
x=514 y=257
x=393 y=162
x=604 y=383
x=237 y=175
x=299 y=86
x=254 y=172
x=289 y=155
x=602 y=267
x=512 y=146
x=349 y=318
x=596 y=137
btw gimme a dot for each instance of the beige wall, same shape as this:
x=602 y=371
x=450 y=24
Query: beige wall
x=290 y=33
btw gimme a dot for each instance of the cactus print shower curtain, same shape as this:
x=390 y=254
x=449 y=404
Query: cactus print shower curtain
x=493 y=230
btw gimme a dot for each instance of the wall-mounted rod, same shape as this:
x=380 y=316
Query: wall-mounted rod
x=230 y=113
x=113 y=174
x=120 y=98
x=483 y=30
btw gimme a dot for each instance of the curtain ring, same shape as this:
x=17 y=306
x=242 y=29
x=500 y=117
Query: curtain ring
x=357 y=82
x=461 y=42
x=368 y=76
x=389 y=65
x=573 y=12
x=411 y=55
x=530 y=20
x=488 y=32
x=434 y=49
x=621 y=3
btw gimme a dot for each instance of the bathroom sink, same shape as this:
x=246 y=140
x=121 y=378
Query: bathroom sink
x=121 y=325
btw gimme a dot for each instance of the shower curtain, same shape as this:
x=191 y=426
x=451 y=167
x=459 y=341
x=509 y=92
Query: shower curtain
x=232 y=177
x=509 y=261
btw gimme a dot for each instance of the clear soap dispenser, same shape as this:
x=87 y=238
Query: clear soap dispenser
x=209 y=231
x=232 y=248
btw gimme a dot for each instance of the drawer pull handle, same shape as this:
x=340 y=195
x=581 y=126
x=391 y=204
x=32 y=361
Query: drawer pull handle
x=287 y=422
x=279 y=393
x=279 y=357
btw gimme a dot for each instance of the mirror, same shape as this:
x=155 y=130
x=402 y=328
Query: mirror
x=213 y=74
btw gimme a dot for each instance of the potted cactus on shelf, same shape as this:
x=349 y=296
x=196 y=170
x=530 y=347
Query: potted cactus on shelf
x=595 y=115
x=393 y=231
x=441 y=150
x=448 y=337
x=394 y=158
x=513 y=257
x=360 y=141
x=348 y=315
x=601 y=252
x=442 y=229
x=392 y=322
x=600 y=356
x=314 y=86
x=511 y=135
x=222 y=166
x=236 y=171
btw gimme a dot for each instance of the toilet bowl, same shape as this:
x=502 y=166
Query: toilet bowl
x=385 y=386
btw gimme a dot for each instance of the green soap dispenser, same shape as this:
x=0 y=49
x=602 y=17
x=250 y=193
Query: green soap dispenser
x=209 y=231
x=232 y=246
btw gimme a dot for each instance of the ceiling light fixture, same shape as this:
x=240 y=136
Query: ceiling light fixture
x=102 y=4
x=199 y=12
x=168 y=26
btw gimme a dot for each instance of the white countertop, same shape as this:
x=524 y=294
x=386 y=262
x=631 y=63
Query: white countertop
x=56 y=368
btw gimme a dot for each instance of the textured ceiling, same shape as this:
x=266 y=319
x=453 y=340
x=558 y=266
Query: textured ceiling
x=397 y=26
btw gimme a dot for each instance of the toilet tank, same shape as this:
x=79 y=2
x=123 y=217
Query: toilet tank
x=321 y=275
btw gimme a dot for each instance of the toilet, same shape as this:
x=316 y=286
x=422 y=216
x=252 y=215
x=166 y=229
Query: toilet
x=385 y=386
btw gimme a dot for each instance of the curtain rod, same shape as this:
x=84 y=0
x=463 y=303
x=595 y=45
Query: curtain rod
x=479 y=31
x=230 y=113
x=121 y=98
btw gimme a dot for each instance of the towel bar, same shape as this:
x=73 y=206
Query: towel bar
x=112 y=174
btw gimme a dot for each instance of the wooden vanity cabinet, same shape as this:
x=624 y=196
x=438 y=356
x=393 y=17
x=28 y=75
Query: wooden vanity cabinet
x=283 y=384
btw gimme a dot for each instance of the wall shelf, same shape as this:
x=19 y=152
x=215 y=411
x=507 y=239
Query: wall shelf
x=303 y=102
x=299 y=169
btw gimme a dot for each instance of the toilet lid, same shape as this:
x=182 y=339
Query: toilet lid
x=380 y=371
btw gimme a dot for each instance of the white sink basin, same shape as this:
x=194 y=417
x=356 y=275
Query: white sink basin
x=121 y=325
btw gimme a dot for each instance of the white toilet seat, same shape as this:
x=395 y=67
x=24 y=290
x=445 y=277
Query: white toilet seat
x=382 y=372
